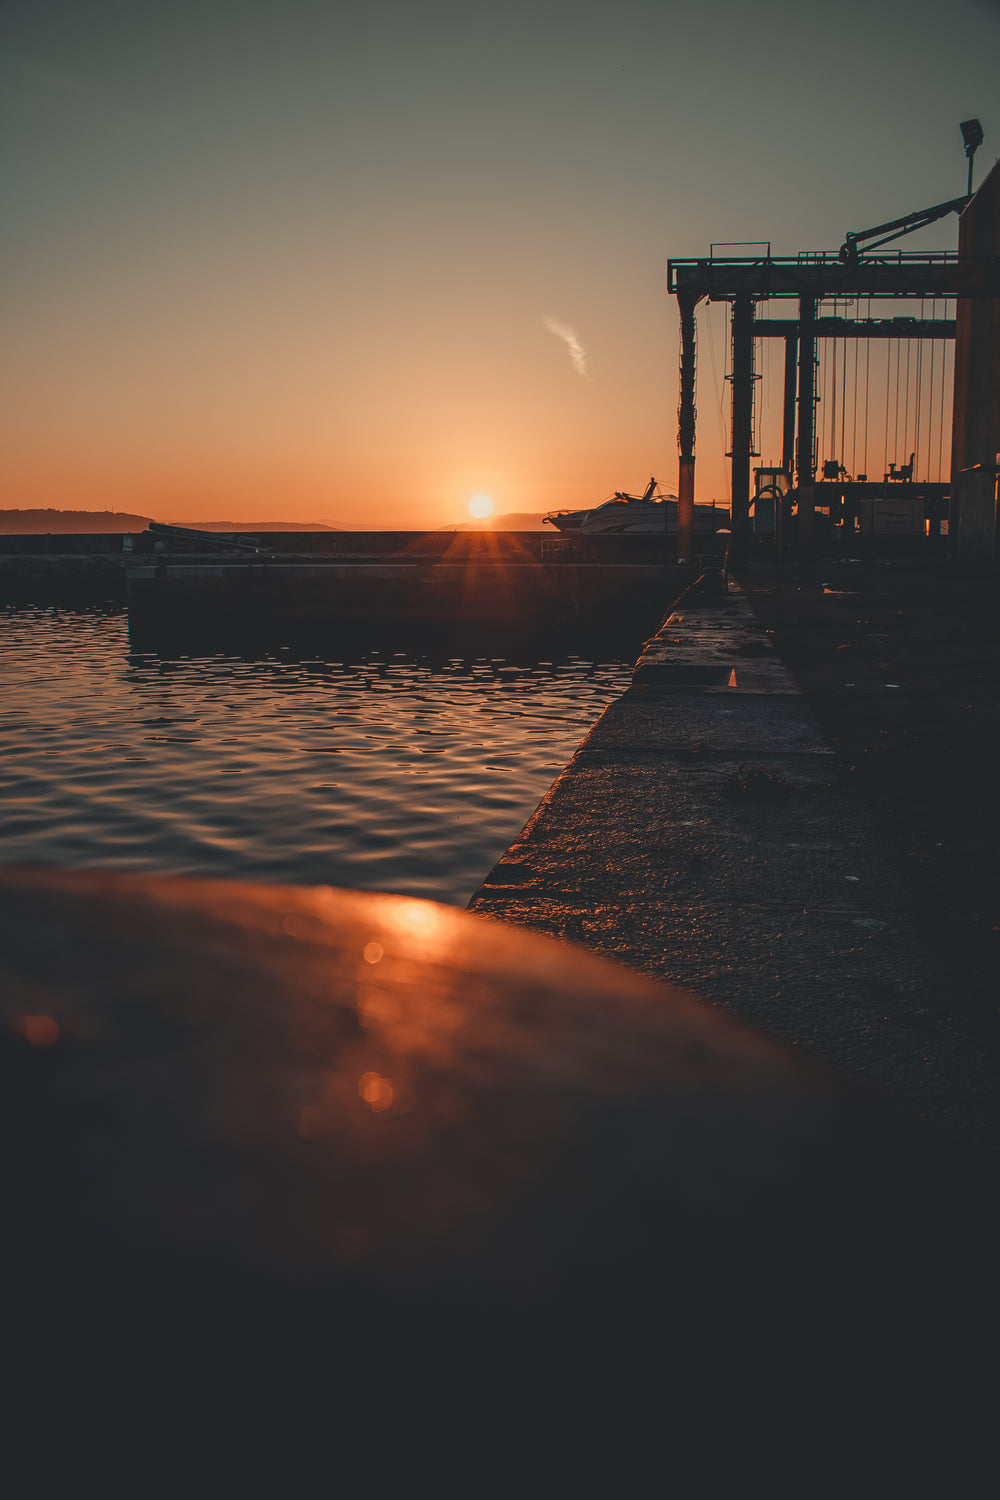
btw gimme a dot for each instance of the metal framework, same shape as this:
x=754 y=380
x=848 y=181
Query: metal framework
x=822 y=275
x=743 y=281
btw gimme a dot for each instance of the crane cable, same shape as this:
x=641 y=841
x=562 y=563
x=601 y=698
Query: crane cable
x=832 y=449
x=917 y=442
x=944 y=382
x=854 y=416
x=843 y=398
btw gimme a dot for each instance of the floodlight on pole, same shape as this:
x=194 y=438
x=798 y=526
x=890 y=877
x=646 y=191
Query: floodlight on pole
x=972 y=135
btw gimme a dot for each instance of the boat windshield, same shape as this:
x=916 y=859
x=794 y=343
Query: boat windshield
x=617 y=500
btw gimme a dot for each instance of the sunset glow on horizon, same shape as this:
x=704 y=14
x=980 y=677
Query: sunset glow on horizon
x=368 y=262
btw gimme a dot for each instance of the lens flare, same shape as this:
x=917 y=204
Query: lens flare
x=376 y=1091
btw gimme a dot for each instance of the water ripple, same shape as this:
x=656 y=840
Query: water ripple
x=389 y=771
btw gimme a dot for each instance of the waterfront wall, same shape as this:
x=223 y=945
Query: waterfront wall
x=244 y=599
x=249 y=585
x=526 y=546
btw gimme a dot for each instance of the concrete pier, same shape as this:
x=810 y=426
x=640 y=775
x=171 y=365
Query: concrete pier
x=302 y=594
x=702 y=834
x=303 y=581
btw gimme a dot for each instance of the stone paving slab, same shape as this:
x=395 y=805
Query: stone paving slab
x=653 y=718
x=703 y=835
x=654 y=834
x=723 y=648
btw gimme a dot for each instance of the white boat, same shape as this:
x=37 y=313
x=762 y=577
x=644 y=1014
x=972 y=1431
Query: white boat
x=624 y=514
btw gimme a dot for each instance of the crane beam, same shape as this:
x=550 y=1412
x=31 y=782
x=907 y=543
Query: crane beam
x=858 y=328
x=854 y=240
x=721 y=279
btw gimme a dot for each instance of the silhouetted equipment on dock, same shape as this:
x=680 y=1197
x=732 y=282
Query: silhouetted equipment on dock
x=854 y=273
x=161 y=532
x=307 y=1183
x=745 y=282
x=867 y=240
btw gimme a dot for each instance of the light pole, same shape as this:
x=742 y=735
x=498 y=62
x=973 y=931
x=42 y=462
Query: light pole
x=972 y=135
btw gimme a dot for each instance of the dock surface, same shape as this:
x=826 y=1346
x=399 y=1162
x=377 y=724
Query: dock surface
x=706 y=833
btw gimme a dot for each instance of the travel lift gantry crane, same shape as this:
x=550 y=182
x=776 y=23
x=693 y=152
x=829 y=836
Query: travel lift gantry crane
x=851 y=273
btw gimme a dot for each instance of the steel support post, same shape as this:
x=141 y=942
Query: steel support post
x=686 y=430
x=804 y=468
x=742 y=441
x=788 y=410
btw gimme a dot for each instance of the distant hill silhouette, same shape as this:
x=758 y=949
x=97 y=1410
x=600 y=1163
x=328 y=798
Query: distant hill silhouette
x=40 y=521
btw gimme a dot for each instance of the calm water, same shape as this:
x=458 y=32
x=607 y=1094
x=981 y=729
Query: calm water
x=388 y=771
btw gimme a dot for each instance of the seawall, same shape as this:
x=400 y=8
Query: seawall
x=296 y=580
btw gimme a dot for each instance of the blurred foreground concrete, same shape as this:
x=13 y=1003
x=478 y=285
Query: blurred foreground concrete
x=308 y=1189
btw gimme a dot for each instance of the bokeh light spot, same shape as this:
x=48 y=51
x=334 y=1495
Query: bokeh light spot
x=373 y=952
x=40 y=1031
x=376 y=1091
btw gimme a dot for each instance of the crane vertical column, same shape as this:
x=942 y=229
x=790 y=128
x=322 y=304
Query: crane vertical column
x=742 y=448
x=788 y=411
x=804 y=466
x=686 y=429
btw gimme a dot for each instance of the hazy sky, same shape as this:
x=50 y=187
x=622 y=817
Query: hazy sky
x=362 y=261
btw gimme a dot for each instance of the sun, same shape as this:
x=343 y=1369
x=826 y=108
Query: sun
x=479 y=507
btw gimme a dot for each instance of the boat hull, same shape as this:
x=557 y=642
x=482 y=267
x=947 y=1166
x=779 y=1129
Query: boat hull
x=631 y=518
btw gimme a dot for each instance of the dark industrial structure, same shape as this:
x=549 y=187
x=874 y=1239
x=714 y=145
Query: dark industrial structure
x=861 y=271
x=976 y=420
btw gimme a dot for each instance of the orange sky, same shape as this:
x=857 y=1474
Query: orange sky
x=357 y=264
